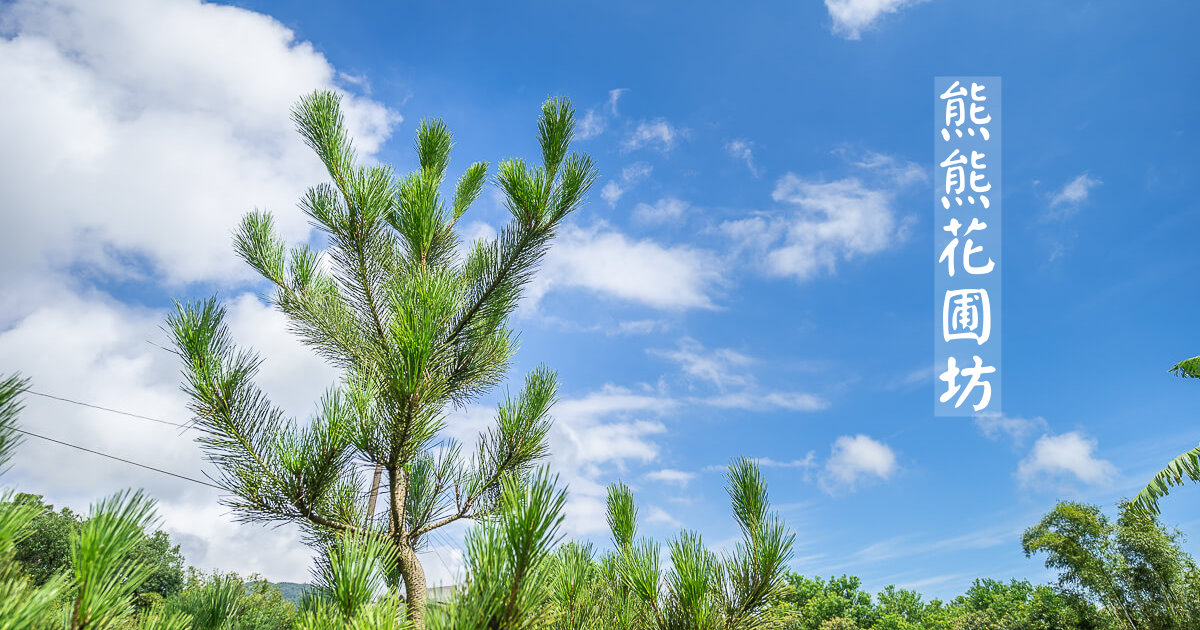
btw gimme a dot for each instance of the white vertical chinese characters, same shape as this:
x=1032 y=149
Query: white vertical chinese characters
x=967 y=245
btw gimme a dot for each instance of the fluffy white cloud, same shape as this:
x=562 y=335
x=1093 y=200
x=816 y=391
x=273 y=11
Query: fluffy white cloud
x=138 y=137
x=657 y=133
x=855 y=459
x=852 y=17
x=832 y=220
x=141 y=134
x=671 y=476
x=95 y=350
x=664 y=210
x=607 y=262
x=1071 y=454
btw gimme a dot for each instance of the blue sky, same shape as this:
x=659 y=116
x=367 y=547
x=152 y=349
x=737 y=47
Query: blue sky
x=753 y=274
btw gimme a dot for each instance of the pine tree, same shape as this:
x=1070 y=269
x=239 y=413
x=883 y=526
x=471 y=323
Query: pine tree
x=417 y=328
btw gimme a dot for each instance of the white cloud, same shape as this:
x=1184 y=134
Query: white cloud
x=723 y=367
x=833 y=220
x=592 y=437
x=671 y=476
x=743 y=150
x=141 y=134
x=659 y=516
x=614 y=96
x=852 y=17
x=1067 y=454
x=139 y=138
x=1073 y=194
x=609 y=263
x=614 y=189
x=657 y=133
x=664 y=210
x=993 y=425
x=808 y=462
x=759 y=401
x=595 y=121
x=94 y=350
x=592 y=125
x=855 y=459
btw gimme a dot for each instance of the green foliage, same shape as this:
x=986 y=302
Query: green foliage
x=1134 y=568
x=1184 y=467
x=816 y=604
x=509 y=564
x=818 y=601
x=226 y=600
x=11 y=388
x=417 y=321
x=628 y=587
x=44 y=551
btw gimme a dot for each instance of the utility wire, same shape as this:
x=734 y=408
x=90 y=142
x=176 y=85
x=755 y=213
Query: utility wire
x=132 y=463
x=443 y=542
x=108 y=409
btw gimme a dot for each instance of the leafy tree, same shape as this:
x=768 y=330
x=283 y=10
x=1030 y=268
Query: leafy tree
x=45 y=551
x=418 y=328
x=226 y=600
x=1134 y=568
x=1186 y=466
x=818 y=601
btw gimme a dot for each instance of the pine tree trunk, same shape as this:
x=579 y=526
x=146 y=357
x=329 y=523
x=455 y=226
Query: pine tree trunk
x=413 y=575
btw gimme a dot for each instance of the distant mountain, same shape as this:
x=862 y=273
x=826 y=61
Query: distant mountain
x=291 y=591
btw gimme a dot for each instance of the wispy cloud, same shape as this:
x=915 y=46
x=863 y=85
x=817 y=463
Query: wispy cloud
x=671 y=476
x=730 y=373
x=595 y=121
x=665 y=210
x=742 y=149
x=766 y=401
x=614 y=189
x=830 y=220
x=993 y=425
x=722 y=367
x=1068 y=199
x=614 y=96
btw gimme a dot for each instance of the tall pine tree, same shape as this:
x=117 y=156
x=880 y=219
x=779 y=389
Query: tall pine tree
x=418 y=329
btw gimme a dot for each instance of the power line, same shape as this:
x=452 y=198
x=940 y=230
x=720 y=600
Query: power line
x=109 y=409
x=126 y=461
